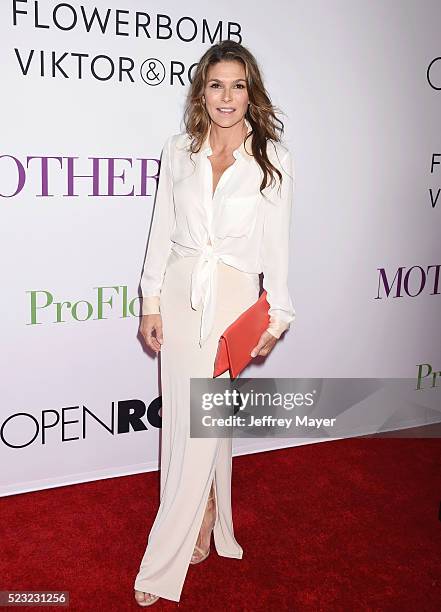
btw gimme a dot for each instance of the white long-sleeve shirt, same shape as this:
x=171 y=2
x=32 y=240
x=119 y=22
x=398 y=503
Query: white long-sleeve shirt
x=237 y=226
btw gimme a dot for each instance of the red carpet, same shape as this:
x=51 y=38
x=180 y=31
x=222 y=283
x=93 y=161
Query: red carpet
x=347 y=526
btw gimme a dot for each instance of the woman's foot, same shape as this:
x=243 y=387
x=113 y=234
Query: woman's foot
x=145 y=599
x=202 y=547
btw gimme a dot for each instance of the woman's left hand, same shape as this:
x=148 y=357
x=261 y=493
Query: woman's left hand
x=266 y=344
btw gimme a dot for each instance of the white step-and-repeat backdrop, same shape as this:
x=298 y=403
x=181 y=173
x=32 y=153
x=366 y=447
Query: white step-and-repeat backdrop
x=90 y=92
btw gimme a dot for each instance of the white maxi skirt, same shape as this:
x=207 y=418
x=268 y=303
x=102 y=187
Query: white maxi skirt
x=188 y=465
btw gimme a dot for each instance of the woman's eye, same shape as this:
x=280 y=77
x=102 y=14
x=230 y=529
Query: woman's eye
x=239 y=85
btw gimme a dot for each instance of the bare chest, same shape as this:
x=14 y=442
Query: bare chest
x=218 y=167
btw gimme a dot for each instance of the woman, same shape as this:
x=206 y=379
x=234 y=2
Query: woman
x=222 y=216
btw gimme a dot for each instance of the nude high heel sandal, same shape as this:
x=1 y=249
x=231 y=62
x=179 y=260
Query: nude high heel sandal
x=142 y=601
x=202 y=547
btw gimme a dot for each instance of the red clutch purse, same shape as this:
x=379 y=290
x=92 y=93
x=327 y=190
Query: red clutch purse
x=238 y=340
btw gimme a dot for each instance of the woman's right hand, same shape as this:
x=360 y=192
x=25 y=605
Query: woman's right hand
x=152 y=323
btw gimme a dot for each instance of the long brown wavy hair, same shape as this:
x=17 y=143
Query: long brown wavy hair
x=261 y=113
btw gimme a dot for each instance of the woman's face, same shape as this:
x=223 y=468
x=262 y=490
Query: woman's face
x=226 y=94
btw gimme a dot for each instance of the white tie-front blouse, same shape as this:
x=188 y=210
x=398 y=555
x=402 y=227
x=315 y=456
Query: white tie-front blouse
x=237 y=226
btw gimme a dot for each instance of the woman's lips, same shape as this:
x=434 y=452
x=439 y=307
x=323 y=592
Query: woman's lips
x=225 y=112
